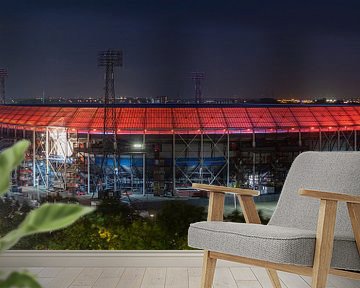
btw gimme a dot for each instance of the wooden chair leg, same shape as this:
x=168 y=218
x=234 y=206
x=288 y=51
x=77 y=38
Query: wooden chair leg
x=252 y=216
x=208 y=270
x=274 y=278
x=354 y=212
x=324 y=243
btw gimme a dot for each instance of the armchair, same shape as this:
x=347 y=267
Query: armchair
x=311 y=232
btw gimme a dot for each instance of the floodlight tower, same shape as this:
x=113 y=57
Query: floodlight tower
x=3 y=75
x=110 y=59
x=197 y=77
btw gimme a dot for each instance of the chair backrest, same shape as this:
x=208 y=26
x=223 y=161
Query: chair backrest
x=325 y=171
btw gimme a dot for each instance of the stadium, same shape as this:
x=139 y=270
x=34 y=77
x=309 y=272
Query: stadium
x=162 y=149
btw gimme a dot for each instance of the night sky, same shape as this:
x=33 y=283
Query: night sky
x=248 y=49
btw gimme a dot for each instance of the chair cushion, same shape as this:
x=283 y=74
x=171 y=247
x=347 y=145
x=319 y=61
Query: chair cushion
x=270 y=243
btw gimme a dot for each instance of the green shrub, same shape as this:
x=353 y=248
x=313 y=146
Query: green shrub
x=238 y=216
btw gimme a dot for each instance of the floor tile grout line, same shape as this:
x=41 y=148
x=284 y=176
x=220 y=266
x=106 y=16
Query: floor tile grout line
x=302 y=277
x=332 y=283
x=117 y=283
x=257 y=278
x=283 y=285
x=36 y=274
x=188 y=278
x=82 y=269
x=232 y=274
x=307 y=284
x=143 y=276
x=166 y=270
x=98 y=276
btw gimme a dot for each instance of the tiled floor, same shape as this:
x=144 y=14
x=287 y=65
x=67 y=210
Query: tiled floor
x=143 y=269
x=170 y=277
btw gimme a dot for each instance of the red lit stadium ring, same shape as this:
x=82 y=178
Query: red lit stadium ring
x=186 y=119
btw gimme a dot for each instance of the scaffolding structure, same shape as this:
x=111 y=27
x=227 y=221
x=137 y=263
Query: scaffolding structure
x=163 y=150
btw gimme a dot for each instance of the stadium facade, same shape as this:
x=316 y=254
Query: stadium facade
x=163 y=149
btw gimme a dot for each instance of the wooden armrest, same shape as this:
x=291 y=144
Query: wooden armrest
x=326 y=223
x=216 y=202
x=330 y=196
x=223 y=189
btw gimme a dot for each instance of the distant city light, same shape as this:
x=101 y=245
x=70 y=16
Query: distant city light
x=331 y=100
x=167 y=100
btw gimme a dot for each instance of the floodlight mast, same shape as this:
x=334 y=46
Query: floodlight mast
x=197 y=77
x=3 y=75
x=110 y=59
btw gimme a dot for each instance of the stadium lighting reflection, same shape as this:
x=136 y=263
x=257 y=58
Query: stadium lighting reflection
x=138 y=145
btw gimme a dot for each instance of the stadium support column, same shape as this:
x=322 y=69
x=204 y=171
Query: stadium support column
x=201 y=157
x=34 y=155
x=214 y=149
x=47 y=158
x=174 y=164
x=338 y=140
x=320 y=140
x=228 y=166
x=116 y=169
x=355 y=140
x=228 y=160
x=116 y=166
x=65 y=158
x=254 y=158
x=144 y=166
x=16 y=170
x=88 y=162
x=300 y=140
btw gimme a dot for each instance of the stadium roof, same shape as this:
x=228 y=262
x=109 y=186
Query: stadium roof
x=186 y=120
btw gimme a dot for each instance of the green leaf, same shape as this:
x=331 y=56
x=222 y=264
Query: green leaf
x=10 y=158
x=52 y=217
x=48 y=217
x=20 y=280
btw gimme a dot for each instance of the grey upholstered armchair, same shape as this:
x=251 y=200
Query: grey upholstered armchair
x=312 y=232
